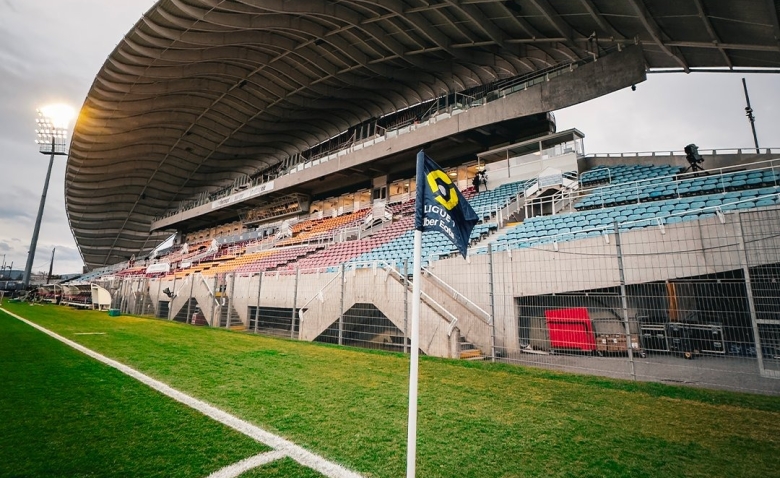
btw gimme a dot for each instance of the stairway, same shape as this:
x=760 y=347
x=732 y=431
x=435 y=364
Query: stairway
x=181 y=315
x=235 y=320
x=469 y=351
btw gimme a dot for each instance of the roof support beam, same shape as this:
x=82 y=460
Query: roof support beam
x=770 y=5
x=600 y=20
x=711 y=31
x=552 y=16
x=655 y=32
x=534 y=35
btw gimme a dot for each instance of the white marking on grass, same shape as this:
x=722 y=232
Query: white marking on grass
x=89 y=333
x=297 y=453
x=236 y=469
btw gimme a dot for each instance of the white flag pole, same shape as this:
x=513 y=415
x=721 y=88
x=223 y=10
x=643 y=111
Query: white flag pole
x=411 y=447
x=411 y=438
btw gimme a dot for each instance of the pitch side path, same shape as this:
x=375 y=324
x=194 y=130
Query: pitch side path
x=476 y=419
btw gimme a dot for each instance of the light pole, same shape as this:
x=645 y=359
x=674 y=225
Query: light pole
x=52 y=132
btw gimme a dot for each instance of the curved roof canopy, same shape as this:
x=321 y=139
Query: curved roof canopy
x=201 y=91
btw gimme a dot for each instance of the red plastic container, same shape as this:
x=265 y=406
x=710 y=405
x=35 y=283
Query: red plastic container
x=571 y=329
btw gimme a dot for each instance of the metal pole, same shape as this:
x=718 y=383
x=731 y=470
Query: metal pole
x=189 y=301
x=214 y=305
x=749 y=114
x=743 y=258
x=624 y=301
x=123 y=303
x=131 y=308
x=295 y=303
x=406 y=303
x=259 y=289
x=37 y=228
x=230 y=299
x=492 y=306
x=145 y=288
x=51 y=265
x=341 y=306
x=411 y=438
x=138 y=288
x=173 y=297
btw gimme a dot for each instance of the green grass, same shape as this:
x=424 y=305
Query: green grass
x=475 y=419
x=64 y=414
x=284 y=468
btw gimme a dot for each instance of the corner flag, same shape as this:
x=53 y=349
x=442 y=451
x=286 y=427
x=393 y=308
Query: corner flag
x=440 y=206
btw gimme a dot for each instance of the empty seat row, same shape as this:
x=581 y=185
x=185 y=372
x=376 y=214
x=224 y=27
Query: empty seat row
x=592 y=222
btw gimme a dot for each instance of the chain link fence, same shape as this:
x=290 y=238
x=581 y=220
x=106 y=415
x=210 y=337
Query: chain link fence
x=694 y=302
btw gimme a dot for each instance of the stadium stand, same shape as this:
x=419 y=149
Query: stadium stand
x=576 y=225
x=643 y=183
x=636 y=196
x=296 y=215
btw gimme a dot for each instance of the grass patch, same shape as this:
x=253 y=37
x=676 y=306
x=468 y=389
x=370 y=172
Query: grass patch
x=284 y=468
x=64 y=414
x=475 y=419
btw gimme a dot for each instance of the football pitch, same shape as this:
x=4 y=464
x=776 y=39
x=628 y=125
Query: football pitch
x=63 y=413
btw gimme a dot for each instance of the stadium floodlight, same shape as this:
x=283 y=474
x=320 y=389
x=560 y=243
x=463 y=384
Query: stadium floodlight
x=52 y=131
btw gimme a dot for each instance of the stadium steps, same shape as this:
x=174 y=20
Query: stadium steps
x=181 y=315
x=235 y=320
x=323 y=311
x=469 y=351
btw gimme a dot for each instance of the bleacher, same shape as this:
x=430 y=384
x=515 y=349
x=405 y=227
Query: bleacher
x=628 y=183
x=626 y=173
x=434 y=246
x=311 y=246
x=635 y=196
x=323 y=229
x=486 y=202
x=273 y=259
x=653 y=183
x=654 y=197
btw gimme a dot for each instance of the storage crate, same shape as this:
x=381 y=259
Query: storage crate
x=570 y=329
x=654 y=338
x=616 y=343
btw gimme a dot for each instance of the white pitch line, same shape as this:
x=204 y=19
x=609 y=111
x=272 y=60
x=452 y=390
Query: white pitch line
x=297 y=453
x=236 y=469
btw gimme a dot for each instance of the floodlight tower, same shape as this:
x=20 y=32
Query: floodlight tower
x=52 y=132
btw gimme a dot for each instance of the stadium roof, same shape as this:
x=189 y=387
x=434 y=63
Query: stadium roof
x=202 y=91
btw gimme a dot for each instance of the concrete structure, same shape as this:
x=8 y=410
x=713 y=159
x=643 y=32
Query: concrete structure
x=201 y=93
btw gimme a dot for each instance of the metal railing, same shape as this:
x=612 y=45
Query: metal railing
x=637 y=186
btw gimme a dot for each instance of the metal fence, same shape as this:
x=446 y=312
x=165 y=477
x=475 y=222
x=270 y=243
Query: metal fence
x=694 y=302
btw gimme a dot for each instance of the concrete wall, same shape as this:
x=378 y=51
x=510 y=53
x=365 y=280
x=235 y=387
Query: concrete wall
x=682 y=250
x=650 y=254
x=611 y=73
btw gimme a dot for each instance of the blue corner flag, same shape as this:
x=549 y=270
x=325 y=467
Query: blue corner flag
x=440 y=206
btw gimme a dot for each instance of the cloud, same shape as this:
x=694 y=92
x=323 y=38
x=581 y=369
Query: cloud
x=14 y=205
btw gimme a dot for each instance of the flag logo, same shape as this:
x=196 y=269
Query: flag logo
x=442 y=189
x=440 y=206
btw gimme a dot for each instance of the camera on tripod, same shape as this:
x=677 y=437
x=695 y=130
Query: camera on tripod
x=693 y=157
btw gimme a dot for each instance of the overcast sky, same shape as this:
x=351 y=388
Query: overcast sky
x=51 y=50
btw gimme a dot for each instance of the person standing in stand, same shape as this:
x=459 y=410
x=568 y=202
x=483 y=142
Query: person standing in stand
x=483 y=178
x=475 y=182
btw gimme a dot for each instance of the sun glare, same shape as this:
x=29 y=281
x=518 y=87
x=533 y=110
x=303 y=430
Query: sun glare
x=60 y=115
